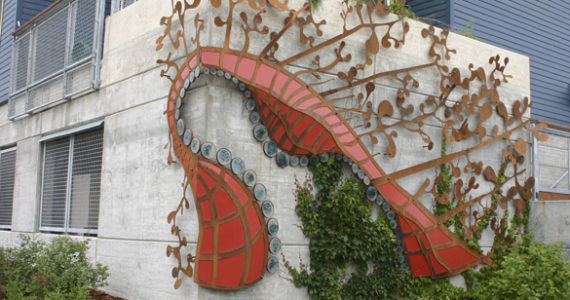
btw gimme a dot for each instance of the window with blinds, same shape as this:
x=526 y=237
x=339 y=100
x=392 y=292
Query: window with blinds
x=7 y=176
x=71 y=183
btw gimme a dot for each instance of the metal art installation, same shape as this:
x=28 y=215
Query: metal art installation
x=300 y=117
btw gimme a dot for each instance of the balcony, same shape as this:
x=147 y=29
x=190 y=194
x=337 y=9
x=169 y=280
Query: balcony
x=56 y=56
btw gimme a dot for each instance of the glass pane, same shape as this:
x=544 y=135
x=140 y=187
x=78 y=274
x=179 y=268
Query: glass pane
x=50 y=46
x=7 y=174
x=82 y=44
x=54 y=183
x=86 y=180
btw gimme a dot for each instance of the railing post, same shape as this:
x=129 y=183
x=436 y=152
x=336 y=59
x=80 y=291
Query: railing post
x=535 y=166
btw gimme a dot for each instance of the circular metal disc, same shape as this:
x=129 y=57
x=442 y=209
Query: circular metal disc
x=260 y=132
x=385 y=206
x=249 y=177
x=195 y=145
x=272 y=226
x=254 y=117
x=393 y=224
x=379 y=200
x=304 y=161
x=324 y=157
x=282 y=159
x=267 y=208
x=180 y=127
x=270 y=148
x=371 y=193
x=272 y=264
x=294 y=161
x=187 y=137
x=238 y=166
x=259 y=192
x=224 y=156
x=250 y=105
x=209 y=151
x=314 y=160
x=274 y=245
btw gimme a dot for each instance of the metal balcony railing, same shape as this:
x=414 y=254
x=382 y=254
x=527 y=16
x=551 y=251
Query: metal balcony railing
x=56 y=55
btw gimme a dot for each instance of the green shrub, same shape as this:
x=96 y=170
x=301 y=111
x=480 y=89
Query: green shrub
x=60 y=270
x=531 y=270
x=338 y=222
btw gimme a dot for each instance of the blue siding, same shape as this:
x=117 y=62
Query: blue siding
x=14 y=10
x=539 y=30
x=6 y=41
x=435 y=12
x=30 y=8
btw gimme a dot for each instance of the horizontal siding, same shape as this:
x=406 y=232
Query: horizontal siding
x=538 y=30
x=30 y=8
x=6 y=41
x=435 y=12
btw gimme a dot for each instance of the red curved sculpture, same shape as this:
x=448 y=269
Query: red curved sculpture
x=233 y=239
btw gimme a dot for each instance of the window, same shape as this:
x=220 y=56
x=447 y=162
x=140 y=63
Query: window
x=120 y=4
x=551 y=159
x=7 y=172
x=71 y=182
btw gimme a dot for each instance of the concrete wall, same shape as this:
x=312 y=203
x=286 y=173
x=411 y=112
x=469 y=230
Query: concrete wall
x=550 y=221
x=139 y=189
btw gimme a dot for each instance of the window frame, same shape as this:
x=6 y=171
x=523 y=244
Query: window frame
x=560 y=131
x=69 y=134
x=2 y=151
x=117 y=5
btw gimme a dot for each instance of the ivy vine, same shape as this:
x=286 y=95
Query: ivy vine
x=353 y=256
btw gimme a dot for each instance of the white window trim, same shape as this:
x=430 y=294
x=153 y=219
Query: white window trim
x=71 y=131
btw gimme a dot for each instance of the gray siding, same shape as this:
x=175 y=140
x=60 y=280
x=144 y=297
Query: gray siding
x=435 y=12
x=540 y=30
x=6 y=40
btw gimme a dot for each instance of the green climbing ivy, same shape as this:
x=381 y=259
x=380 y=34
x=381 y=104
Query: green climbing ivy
x=401 y=8
x=352 y=255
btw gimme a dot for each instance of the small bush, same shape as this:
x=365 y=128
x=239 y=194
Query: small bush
x=531 y=270
x=60 y=270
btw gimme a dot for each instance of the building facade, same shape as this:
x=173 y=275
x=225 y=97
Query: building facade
x=83 y=138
